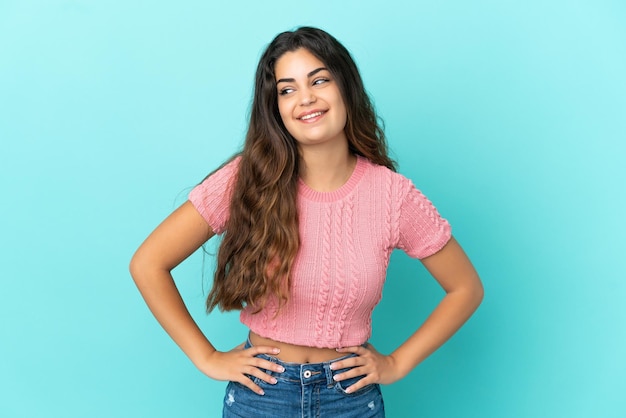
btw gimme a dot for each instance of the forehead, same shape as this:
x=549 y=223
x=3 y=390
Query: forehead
x=296 y=64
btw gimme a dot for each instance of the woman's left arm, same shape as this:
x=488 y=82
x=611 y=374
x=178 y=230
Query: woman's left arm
x=454 y=271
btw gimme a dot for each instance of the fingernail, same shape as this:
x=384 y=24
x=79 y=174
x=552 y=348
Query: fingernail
x=261 y=392
x=274 y=381
x=281 y=369
x=276 y=350
x=332 y=366
x=336 y=377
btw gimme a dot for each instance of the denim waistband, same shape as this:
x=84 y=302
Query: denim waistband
x=303 y=374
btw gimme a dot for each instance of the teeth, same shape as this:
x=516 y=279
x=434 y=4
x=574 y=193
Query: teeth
x=311 y=115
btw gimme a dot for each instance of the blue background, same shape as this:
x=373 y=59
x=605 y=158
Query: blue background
x=510 y=116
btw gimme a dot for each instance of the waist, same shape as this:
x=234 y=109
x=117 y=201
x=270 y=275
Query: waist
x=292 y=353
x=327 y=329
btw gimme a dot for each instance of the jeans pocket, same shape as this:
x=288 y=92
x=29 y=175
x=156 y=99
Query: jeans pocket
x=345 y=384
x=260 y=382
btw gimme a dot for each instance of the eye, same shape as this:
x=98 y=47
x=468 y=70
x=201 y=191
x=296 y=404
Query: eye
x=319 y=81
x=285 y=91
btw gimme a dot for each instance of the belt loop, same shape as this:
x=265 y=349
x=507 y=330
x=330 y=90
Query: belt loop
x=329 y=375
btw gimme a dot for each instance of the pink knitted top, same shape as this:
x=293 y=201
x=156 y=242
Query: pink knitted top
x=346 y=236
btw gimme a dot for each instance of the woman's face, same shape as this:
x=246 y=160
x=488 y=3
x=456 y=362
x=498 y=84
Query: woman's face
x=309 y=100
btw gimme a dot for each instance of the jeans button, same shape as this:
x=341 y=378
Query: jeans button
x=306 y=374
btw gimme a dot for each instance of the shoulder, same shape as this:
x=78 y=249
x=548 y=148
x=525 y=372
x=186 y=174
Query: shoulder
x=212 y=196
x=228 y=167
x=217 y=182
x=223 y=175
x=391 y=181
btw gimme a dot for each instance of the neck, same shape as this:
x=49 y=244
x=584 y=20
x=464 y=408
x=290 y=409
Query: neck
x=326 y=170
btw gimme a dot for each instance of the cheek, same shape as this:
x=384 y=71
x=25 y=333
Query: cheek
x=344 y=115
x=340 y=105
x=286 y=116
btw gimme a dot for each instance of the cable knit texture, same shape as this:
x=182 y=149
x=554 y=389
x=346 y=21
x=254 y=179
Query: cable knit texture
x=347 y=237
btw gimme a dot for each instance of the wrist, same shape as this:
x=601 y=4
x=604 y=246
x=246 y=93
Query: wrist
x=400 y=368
x=204 y=358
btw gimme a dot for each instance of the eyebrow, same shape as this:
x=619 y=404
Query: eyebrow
x=309 y=75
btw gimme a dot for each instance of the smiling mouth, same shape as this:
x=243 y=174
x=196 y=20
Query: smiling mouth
x=311 y=115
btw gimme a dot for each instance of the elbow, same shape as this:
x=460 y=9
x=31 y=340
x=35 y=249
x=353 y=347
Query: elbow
x=478 y=293
x=144 y=269
x=137 y=267
x=134 y=267
x=473 y=292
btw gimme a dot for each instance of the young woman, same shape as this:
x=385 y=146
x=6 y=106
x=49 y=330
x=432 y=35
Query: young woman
x=309 y=211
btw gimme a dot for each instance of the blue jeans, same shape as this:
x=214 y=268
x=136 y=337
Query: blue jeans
x=303 y=391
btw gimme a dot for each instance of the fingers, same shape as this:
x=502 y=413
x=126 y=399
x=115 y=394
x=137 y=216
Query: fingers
x=361 y=383
x=264 y=372
x=362 y=355
x=260 y=363
x=255 y=367
x=348 y=363
x=263 y=349
x=252 y=386
x=368 y=377
x=367 y=363
x=356 y=349
x=349 y=374
x=357 y=366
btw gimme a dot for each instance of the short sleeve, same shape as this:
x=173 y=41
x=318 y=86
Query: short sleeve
x=422 y=231
x=212 y=197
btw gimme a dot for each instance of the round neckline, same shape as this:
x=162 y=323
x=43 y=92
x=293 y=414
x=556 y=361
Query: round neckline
x=357 y=173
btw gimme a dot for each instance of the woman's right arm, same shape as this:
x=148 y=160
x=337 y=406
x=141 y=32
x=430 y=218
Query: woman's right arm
x=175 y=239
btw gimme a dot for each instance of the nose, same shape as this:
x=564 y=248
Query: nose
x=307 y=97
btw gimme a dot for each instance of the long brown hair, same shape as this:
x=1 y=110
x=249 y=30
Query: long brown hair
x=262 y=238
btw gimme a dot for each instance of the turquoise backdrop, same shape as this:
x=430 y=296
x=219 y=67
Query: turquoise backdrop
x=510 y=116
